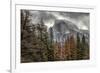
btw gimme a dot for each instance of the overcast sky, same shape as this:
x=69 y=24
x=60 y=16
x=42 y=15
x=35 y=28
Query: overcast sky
x=81 y=20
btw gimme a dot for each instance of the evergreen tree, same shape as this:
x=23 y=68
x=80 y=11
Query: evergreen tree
x=85 y=48
x=73 y=50
x=51 y=46
x=25 y=52
x=79 y=49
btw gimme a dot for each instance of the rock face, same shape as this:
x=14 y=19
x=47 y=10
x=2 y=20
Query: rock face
x=62 y=29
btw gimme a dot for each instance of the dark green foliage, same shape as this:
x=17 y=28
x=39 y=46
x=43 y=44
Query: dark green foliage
x=82 y=48
x=35 y=45
x=51 y=47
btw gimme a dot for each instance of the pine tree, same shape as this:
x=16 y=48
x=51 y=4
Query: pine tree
x=51 y=46
x=67 y=48
x=73 y=48
x=25 y=20
x=79 y=49
x=85 y=48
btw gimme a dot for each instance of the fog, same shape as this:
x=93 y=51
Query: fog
x=81 y=20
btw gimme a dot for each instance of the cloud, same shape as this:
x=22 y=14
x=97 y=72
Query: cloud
x=81 y=20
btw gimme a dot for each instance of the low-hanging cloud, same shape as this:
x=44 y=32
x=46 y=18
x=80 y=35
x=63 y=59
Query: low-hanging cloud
x=81 y=20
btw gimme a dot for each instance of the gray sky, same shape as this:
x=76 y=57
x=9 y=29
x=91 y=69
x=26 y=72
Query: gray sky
x=81 y=20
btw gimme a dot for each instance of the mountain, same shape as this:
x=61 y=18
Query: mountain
x=63 y=28
x=64 y=25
